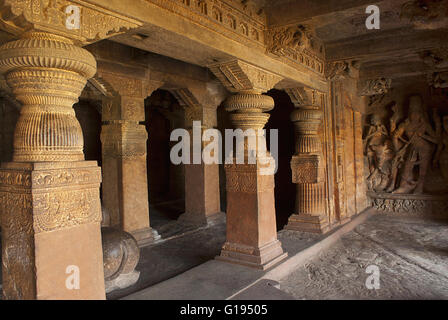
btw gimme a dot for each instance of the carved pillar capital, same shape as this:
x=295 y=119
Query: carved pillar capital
x=123 y=139
x=47 y=74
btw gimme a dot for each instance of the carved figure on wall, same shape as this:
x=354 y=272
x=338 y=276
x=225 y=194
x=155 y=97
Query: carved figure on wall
x=399 y=154
x=379 y=152
x=413 y=140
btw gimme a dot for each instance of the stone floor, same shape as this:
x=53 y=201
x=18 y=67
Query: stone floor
x=181 y=248
x=412 y=256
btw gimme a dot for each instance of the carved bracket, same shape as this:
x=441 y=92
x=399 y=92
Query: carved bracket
x=303 y=96
x=239 y=76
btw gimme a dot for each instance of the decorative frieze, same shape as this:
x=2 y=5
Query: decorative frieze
x=235 y=19
x=246 y=178
x=60 y=197
x=409 y=204
x=296 y=45
x=95 y=23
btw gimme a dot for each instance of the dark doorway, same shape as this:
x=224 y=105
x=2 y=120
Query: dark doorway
x=285 y=190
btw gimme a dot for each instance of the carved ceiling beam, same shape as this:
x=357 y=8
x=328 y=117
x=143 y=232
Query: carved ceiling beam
x=385 y=44
x=61 y=18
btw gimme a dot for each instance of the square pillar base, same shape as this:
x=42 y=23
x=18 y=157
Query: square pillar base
x=51 y=237
x=200 y=219
x=307 y=223
x=145 y=236
x=260 y=258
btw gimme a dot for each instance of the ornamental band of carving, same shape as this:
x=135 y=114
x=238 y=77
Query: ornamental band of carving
x=95 y=23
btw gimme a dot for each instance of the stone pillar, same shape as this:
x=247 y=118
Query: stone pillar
x=307 y=164
x=50 y=204
x=251 y=227
x=123 y=138
x=49 y=196
x=202 y=197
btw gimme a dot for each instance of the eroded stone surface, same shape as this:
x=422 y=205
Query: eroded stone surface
x=411 y=255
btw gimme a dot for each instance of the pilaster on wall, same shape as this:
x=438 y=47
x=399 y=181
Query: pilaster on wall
x=49 y=196
x=202 y=197
x=251 y=228
x=346 y=108
x=123 y=138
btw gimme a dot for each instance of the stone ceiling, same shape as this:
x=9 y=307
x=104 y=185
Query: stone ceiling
x=410 y=31
x=412 y=39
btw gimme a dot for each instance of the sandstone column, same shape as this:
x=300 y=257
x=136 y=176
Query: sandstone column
x=49 y=196
x=307 y=164
x=202 y=198
x=251 y=227
x=123 y=138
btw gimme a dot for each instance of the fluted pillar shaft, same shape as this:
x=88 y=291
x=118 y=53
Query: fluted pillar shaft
x=49 y=196
x=251 y=224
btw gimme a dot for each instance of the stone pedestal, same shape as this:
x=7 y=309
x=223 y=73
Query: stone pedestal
x=51 y=220
x=307 y=165
x=50 y=204
x=251 y=227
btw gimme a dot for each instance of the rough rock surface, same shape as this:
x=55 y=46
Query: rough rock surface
x=412 y=256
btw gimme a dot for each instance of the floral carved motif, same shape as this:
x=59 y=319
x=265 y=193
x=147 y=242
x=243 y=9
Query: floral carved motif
x=297 y=45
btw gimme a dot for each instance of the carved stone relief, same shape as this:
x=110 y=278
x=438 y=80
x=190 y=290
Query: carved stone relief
x=400 y=154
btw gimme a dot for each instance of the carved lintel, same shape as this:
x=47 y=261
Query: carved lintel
x=96 y=23
x=375 y=86
x=239 y=76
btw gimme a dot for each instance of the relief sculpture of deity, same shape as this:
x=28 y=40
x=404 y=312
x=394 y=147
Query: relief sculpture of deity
x=399 y=158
